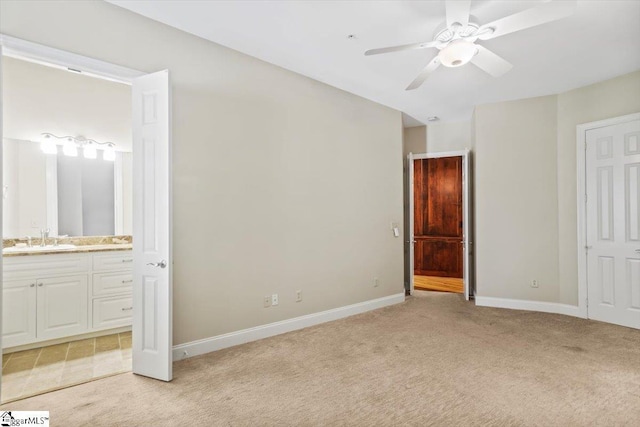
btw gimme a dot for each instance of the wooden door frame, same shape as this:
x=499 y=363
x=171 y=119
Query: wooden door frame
x=581 y=169
x=466 y=212
x=33 y=52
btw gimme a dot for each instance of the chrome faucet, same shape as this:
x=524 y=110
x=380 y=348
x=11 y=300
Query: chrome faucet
x=44 y=233
x=57 y=238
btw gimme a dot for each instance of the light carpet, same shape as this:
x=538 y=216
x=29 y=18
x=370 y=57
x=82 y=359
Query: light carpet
x=433 y=360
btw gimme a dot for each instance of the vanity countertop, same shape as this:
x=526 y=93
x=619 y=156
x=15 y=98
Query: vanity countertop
x=75 y=250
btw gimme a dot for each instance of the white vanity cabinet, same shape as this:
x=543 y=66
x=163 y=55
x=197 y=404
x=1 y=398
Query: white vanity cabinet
x=112 y=303
x=58 y=295
x=18 y=312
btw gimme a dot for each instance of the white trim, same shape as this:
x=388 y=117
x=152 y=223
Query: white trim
x=52 y=193
x=41 y=54
x=581 y=138
x=441 y=154
x=207 y=345
x=466 y=212
x=118 y=206
x=411 y=241
x=541 y=306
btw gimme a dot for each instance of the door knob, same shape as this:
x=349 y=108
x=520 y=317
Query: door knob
x=161 y=264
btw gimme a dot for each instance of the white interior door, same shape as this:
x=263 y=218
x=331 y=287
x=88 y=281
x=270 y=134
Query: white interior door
x=613 y=223
x=466 y=225
x=152 y=265
x=411 y=242
x=1 y=210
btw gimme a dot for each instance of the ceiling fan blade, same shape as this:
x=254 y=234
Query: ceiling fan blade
x=423 y=45
x=426 y=71
x=458 y=11
x=490 y=62
x=546 y=12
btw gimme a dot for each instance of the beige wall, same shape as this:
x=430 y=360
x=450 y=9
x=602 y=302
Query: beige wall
x=414 y=140
x=280 y=182
x=525 y=172
x=516 y=209
x=37 y=99
x=452 y=136
x=611 y=98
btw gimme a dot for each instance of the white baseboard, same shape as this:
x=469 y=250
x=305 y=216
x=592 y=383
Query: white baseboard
x=231 y=339
x=518 y=304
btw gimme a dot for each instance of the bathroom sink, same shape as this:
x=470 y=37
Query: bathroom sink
x=14 y=249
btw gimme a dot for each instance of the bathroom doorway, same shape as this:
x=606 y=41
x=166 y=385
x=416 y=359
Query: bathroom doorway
x=72 y=291
x=440 y=222
x=67 y=218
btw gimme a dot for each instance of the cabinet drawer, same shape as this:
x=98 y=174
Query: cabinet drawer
x=112 y=312
x=113 y=261
x=112 y=283
x=45 y=265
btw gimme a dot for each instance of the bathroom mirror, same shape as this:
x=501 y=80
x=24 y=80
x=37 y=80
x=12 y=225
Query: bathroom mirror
x=72 y=196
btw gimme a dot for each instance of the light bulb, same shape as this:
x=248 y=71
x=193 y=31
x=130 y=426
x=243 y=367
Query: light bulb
x=70 y=148
x=48 y=145
x=457 y=53
x=89 y=151
x=109 y=154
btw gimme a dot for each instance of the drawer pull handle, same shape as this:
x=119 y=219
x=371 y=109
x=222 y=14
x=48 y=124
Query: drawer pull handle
x=127 y=308
x=32 y=285
x=127 y=260
x=127 y=281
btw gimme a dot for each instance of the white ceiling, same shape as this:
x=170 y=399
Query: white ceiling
x=600 y=41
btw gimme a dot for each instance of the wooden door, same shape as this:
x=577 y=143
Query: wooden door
x=438 y=220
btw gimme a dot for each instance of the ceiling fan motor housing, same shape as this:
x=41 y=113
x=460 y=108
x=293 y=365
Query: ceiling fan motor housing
x=457 y=53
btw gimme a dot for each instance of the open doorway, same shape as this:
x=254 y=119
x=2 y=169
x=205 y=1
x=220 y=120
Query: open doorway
x=106 y=294
x=67 y=228
x=439 y=222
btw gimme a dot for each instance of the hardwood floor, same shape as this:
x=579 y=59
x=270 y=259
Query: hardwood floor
x=442 y=284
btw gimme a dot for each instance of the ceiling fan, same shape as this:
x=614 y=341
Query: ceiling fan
x=457 y=41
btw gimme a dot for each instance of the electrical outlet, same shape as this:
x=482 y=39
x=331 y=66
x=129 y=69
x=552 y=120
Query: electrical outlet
x=267 y=301
x=298 y=295
x=274 y=299
x=534 y=283
x=376 y=282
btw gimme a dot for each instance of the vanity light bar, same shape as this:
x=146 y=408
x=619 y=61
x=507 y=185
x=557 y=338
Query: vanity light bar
x=49 y=145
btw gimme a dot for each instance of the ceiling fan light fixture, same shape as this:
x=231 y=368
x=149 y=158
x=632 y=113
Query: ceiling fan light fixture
x=457 y=53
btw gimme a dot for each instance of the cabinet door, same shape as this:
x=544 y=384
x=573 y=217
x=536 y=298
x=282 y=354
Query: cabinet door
x=18 y=312
x=62 y=306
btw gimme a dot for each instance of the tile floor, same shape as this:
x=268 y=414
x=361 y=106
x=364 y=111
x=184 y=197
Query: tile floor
x=30 y=372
